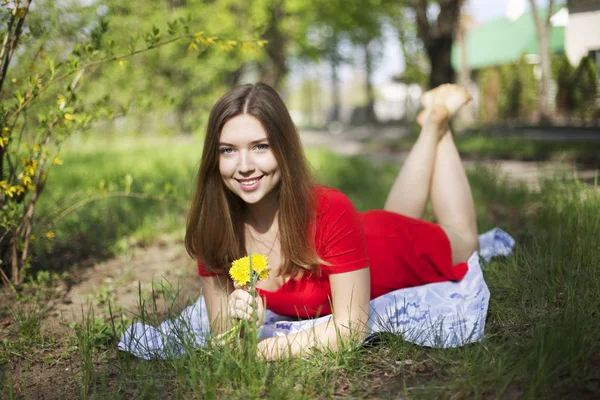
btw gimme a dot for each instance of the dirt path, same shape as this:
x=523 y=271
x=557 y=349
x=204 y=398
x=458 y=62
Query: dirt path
x=121 y=280
x=353 y=143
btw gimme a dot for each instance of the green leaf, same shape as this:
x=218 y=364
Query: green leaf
x=51 y=67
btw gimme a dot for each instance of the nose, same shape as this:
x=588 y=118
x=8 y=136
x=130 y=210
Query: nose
x=246 y=163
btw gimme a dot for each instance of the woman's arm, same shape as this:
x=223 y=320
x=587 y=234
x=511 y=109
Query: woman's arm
x=224 y=304
x=350 y=292
x=216 y=290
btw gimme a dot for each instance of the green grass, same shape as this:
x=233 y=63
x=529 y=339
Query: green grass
x=542 y=334
x=138 y=186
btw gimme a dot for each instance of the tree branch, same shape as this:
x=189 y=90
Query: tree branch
x=536 y=18
x=449 y=16
x=92 y=64
x=550 y=12
x=5 y=42
x=423 y=25
x=13 y=41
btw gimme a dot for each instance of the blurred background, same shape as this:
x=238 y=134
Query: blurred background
x=341 y=63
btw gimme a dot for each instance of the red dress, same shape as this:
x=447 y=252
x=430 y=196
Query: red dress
x=401 y=252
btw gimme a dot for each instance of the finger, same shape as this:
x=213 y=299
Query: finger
x=236 y=302
x=237 y=294
x=243 y=315
x=243 y=295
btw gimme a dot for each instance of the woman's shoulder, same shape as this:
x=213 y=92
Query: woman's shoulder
x=329 y=199
x=326 y=194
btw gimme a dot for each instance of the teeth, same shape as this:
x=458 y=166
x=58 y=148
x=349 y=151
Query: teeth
x=249 y=183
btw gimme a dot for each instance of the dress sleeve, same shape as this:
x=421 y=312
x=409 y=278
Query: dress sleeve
x=202 y=269
x=340 y=238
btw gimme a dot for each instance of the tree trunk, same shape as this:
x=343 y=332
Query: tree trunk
x=335 y=83
x=275 y=67
x=440 y=56
x=15 y=267
x=543 y=28
x=438 y=37
x=370 y=109
x=546 y=73
x=464 y=73
x=335 y=94
x=465 y=116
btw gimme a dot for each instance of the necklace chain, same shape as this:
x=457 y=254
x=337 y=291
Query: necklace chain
x=263 y=242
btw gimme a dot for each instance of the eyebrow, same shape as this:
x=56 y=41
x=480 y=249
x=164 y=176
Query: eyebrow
x=252 y=142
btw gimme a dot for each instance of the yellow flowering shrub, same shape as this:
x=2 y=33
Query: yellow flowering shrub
x=40 y=110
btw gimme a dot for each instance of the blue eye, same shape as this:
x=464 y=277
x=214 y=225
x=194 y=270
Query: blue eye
x=262 y=146
x=225 y=150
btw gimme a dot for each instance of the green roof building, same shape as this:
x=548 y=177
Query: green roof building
x=503 y=41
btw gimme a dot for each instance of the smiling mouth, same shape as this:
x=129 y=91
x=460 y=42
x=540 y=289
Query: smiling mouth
x=249 y=182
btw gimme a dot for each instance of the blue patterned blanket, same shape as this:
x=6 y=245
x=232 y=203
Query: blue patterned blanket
x=444 y=314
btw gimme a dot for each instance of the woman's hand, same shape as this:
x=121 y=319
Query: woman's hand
x=242 y=305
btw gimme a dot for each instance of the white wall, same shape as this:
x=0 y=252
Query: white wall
x=582 y=34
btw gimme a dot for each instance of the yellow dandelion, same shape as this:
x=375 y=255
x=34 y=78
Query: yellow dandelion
x=3 y=142
x=240 y=269
x=240 y=272
x=3 y=185
x=19 y=190
x=27 y=180
x=50 y=235
x=57 y=161
x=259 y=265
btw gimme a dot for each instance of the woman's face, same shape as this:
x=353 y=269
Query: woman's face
x=247 y=164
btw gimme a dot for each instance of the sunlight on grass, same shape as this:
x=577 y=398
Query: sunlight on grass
x=159 y=171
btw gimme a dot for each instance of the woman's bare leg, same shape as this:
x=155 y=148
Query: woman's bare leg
x=434 y=166
x=410 y=191
x=452 y=201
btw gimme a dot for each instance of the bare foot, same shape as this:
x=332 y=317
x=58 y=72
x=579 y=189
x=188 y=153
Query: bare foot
x=453 y=97
x=438 y=114
x=434 y=121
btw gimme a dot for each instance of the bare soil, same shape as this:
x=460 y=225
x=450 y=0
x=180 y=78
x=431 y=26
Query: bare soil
x=52 y=370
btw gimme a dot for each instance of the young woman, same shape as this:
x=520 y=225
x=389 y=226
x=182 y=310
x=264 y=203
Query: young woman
x=255 y=193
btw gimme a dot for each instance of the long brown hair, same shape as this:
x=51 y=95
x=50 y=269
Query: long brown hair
x=215 y=225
